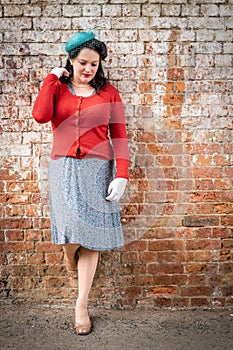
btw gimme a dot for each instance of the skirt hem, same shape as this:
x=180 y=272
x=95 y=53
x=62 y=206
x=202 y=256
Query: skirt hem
x=90 y=247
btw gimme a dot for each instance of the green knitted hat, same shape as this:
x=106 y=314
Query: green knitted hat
x=78 y=39
x=83 y=40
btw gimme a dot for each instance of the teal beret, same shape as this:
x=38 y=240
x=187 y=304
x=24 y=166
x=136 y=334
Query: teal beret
x=78 y=39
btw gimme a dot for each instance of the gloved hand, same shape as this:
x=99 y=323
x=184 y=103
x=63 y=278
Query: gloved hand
x=59 y=72
x=116 y=189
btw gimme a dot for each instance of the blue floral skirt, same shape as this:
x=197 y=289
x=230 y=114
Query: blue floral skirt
x=78 y=209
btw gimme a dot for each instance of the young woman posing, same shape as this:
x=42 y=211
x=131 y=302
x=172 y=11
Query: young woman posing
x=88 y=170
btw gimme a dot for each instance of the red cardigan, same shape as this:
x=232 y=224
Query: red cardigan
x=81 y=125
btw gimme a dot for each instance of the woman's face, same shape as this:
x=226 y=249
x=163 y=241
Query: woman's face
x=85 y=65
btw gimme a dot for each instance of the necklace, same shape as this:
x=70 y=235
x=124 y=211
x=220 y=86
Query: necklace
x=80 y=87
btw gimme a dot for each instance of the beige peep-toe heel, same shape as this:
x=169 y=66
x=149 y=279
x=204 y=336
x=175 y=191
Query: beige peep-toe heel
x=83 y=329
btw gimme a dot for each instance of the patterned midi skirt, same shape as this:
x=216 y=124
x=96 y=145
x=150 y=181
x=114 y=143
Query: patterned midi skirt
x=79 y=211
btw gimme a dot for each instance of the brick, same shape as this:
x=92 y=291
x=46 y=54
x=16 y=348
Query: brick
x=130 y=256
x=195 y=290
x=91 y=22
x=13 y=11
x=3 y=259
x=226 y=10
x=224 y=208
x=168 y=22
x=91 y=10
x=203 y=244
x=179 y=87
x=190 y=10
x=206 y=172
x=198 y=302
x=178 y=279
x=180 y=302
x=163 y=301
x=227 y=220
x=17 y=246
x=144 y=280
x=151 y=10
x=131 y=10
x=54 y=282
x=203 y=160
x=202 y=232
x=209 y=48
x=136 y=245
x=42 y=223
x=14 y=235
x=15 y=2
x=197 y=268
x=226 y=268
x=51 y=23
x=227 y=48
x=33 y=235
x=206 y=23
x=17 y=199
x=227 y=243
x=223 y=60
x=221 y=232
x=47 y=247
x=161 y=291
x=148 y=256
x=20 y=23
x=112 y=10
x=205 y=196
x=173 y=99
x=33 y=210
x=210 y=10
x=161 y=245
x=35 y=259
x=171 y=10
x=15 y=223
x=14 y=210
x=32 y=11
x=145 y=87
x=71 y=10
x=125 y=62
x=195 y=221
x=163 y=268
x=171 y=256
x=54 y=258
x=130 y=22
x=52 y=11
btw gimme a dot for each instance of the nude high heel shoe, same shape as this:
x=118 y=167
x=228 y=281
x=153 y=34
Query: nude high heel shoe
x=83 y=329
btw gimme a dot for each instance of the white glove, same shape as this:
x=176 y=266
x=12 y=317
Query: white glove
x=59 y=72
x=116 y=189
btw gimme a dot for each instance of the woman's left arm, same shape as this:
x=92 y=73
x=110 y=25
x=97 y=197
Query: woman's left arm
x=119 y=139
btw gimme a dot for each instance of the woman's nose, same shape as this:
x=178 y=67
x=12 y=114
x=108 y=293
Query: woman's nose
x=87 y=68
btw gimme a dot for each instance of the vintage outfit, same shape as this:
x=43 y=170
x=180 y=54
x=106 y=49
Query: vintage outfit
x=89 y=150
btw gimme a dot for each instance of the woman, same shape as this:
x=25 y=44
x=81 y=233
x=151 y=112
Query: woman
x=89 y=138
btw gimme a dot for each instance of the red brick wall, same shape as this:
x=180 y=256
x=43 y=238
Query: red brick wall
x=171 y=62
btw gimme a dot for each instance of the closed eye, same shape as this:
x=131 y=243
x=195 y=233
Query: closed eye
x=84 y=63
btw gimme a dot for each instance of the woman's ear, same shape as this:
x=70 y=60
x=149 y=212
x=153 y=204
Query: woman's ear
x=71 y=62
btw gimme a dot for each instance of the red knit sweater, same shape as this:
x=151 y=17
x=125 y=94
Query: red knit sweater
x=82 y=125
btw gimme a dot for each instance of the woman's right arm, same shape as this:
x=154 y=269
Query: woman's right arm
x=44 y=104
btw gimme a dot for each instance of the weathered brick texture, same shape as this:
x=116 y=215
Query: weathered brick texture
x=172 y=63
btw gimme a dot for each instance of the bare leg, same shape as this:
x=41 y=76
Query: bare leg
x=70 y=257
x=87 y=263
